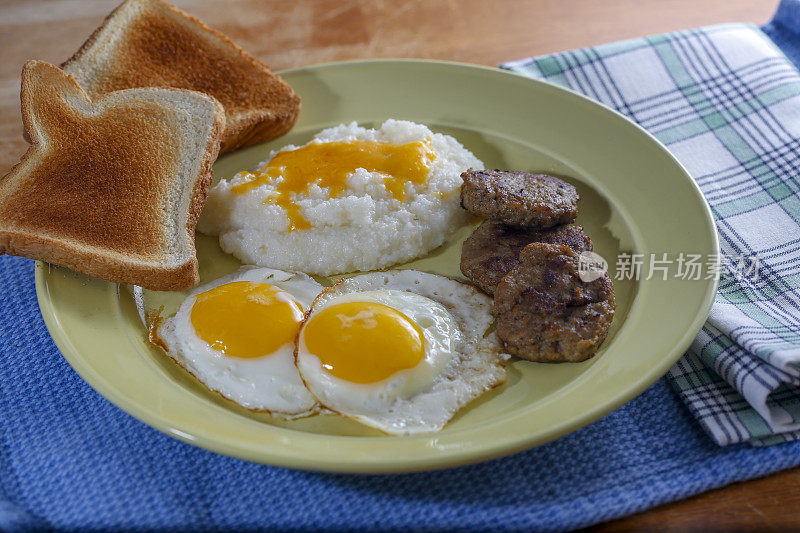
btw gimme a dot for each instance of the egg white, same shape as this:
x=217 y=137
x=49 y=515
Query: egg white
x=269 y=383
x=462 y=360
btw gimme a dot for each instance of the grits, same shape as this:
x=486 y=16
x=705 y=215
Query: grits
x=363 y=226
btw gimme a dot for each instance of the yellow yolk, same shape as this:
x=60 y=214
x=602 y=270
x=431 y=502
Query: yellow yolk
x=364 y=342
x=246 y=319
x=330 y=164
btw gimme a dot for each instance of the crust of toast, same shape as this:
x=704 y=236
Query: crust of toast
x=150 y=43
x=103 y=266
x=112 y=187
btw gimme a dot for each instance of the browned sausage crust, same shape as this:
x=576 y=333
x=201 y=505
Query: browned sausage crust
x=492 y=250
x=544 y=312
x=519 y=198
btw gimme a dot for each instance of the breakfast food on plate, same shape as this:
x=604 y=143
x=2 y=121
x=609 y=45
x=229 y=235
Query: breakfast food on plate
x=519 y=198
x=545 y=312
x=352 y=199
x=149 y=43
x=400 y=350
x=111 y=187
x=526 y=254
x=492 y=250
x=122 y=143
x=236 y=335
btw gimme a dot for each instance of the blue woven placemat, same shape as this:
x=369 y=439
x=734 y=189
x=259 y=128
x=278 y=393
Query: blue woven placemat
x=70 y=460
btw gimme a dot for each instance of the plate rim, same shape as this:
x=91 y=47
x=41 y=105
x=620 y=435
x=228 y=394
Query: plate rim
x=439 y=459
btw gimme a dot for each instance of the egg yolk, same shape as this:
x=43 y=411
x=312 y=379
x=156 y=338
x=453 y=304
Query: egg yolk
x=330 y=164
x=364 y=342
x=246 y=319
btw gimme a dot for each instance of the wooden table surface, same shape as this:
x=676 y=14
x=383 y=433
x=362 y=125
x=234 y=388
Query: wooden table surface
x=291 y=33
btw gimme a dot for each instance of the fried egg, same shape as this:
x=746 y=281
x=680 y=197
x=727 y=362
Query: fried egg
x=400 y=350
x=237 y=336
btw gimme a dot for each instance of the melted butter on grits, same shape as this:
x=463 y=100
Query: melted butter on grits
x=329 y=164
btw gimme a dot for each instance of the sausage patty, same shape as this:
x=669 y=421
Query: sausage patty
x=544 y=312
x=519 y=198
x=492 y=250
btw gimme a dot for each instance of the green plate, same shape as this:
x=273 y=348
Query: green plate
x=635 y=198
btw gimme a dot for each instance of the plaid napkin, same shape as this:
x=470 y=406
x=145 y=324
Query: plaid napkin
x=726 y=101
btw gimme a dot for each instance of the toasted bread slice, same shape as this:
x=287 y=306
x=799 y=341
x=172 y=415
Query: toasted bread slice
x=111 y=187
x=149 y=43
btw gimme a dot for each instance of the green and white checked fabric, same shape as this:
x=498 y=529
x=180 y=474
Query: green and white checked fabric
x=726 y=102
